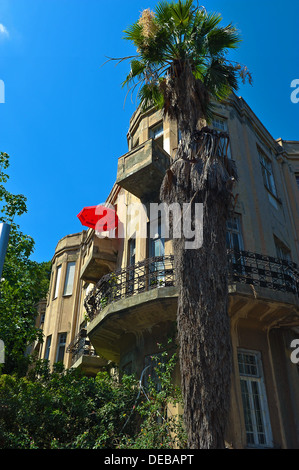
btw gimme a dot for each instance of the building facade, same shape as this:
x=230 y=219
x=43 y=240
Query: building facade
x=112 y=300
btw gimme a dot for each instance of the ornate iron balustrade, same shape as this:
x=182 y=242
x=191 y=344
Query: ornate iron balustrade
x=80 y=346
x=243 y=267
x=263 y=271
x=149 y=274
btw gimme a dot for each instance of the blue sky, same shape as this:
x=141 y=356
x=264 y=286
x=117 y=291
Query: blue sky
x=64 y=122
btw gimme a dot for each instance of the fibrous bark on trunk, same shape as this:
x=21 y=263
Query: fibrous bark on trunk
x=201 y=175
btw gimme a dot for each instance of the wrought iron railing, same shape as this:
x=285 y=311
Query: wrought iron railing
x=259 y=270
x=146 y=275
x=80 y=346
x=243 y=267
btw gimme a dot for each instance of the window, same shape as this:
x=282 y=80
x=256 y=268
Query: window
x=58 y=275
x=156 y=133
x=220 y=125
x=48 y=346
x=234 y=239
x=69 y=278
x=234 y=243
x=42 y=319
x=282 y=251
x=61 y=347
x=267 y=172
x=157 y=249
x=297 y=179
x=255 y=407
x=131 y=265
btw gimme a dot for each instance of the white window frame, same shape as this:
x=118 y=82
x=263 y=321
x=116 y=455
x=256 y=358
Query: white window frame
x=282 y=251
x=61 y=344
x=220 y=124
x=48 y=347
x=267 y=172
x=69 y=278
x=57 y=281
x=156 y=133
x=156 y=248
x=237 y=230
x=258 y=379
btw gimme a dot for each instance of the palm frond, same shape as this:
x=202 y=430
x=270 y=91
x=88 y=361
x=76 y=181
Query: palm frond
x=150 y=95
x=220 y=39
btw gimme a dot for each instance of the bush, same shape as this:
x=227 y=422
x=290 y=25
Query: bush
x=63 y=409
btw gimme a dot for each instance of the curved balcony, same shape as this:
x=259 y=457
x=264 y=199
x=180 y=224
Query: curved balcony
x=262 y=271
x=262 y=288
x=152 y=273
x=245 y=268
x=141 y=170
x=84 y=356
x=99 y=257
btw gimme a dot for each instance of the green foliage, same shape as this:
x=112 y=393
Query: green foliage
x=161 y=426
x=176 y=34
x=23 y=284
x=12 y=204
x=66 y=410
x=61 y=409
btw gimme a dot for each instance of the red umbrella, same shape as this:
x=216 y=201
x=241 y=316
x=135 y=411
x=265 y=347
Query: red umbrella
x=100 y=218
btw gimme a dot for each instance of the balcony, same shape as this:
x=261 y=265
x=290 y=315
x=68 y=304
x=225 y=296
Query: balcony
x=83 y=355
x=141 y=170
x=99 y=258
x=261 y=288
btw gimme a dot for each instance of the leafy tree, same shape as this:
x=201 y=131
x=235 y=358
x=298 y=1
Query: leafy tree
x=61 y=409
x=181 y=67
x=23 y=284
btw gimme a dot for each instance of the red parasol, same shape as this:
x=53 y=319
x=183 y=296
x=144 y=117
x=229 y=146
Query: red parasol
x=100 y=218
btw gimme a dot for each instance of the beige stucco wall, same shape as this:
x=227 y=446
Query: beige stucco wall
x=63 y=313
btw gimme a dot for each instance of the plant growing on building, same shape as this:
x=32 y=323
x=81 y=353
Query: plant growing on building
x=180 y=67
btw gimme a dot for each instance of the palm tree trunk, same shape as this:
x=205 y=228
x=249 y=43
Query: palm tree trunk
x=202 y=315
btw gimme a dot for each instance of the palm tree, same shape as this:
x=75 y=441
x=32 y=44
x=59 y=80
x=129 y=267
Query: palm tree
x=180 y=67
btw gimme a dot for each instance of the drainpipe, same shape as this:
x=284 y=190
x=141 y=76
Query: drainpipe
x=4 y=236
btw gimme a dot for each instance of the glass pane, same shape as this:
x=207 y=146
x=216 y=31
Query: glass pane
x=247 y=411
x=254 y=399
x=248 y=365
x=258 y=413
x=60 y=354
x=236 y=242
x=48 y=345
x=156 y=131
x=69 y=279
x=58 y=274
